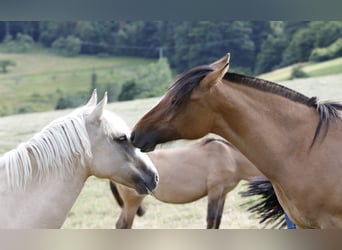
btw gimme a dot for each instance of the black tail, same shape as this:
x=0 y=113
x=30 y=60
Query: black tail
x=140 y=212
x=267 y=207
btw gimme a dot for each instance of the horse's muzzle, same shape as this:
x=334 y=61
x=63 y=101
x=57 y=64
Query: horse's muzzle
x=148 y=185
x=145 y=143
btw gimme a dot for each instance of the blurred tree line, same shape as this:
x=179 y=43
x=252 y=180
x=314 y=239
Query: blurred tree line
x=256 y=46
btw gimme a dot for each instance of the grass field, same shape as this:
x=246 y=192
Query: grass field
x=96 y=208
x=330 y=67
x=37 y=80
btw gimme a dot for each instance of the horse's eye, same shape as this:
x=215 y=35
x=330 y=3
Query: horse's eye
x=173 y=102
x=122 y=138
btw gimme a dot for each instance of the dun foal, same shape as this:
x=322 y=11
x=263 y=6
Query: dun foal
x=211 y=167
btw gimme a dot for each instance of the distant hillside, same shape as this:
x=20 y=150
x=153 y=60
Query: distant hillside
x=37 y=80
x=330 y=67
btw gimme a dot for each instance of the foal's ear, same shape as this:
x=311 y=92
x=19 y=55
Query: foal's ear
x=93 y=99
x=220 y=69
x=97 y=113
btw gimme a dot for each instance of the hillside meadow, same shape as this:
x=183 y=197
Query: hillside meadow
x=96 y=208
x=38 y=79
x=311 y=69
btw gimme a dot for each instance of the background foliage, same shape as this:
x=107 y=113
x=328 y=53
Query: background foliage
x=257 y=46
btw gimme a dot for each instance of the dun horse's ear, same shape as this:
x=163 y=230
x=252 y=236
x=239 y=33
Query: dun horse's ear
x=97 y=113
x=93 y=99
x=215 y=76
x=221 y=62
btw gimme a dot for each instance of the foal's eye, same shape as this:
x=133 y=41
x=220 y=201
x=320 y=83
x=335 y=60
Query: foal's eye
x=173 y=102
x=122 y=138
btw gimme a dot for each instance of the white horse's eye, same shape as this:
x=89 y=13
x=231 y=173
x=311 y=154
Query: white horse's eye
x=121 y=138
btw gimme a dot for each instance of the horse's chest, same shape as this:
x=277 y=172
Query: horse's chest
x=298 y=206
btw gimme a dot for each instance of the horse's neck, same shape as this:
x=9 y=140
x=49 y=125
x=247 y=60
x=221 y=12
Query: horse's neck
x=262 y=125
x=42 y=204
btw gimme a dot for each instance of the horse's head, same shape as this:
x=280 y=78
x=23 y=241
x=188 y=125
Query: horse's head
x=113 y=155
x=184 y=112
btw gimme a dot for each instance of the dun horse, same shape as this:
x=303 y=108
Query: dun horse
x=210 y=167
x=294 y=140
x=41 y=179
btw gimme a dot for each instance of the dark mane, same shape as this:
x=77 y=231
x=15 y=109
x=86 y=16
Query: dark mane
x=268 y=86
x=327 y=110
x=186 y=82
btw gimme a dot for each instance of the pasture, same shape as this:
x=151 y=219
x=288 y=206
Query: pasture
x=311 y=69
x=96 y=208
x=38 y=80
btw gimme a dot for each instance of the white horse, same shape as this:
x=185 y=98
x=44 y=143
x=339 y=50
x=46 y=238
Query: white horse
x=41 y=179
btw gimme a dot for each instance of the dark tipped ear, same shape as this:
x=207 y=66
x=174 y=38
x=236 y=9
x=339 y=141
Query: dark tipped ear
x=93 y=99
x=216 y=76
x=221 y=62
x=97 y=113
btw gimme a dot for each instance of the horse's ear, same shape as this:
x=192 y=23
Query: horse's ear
x=93 y=99
x=97 y=113
x=220 y=69
x=221 y=62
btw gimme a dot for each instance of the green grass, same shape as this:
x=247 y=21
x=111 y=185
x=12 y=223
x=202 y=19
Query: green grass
x=330 y=67
x=37 y=80
x=324 y=68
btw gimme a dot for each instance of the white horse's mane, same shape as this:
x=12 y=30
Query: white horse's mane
x=56 y=149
